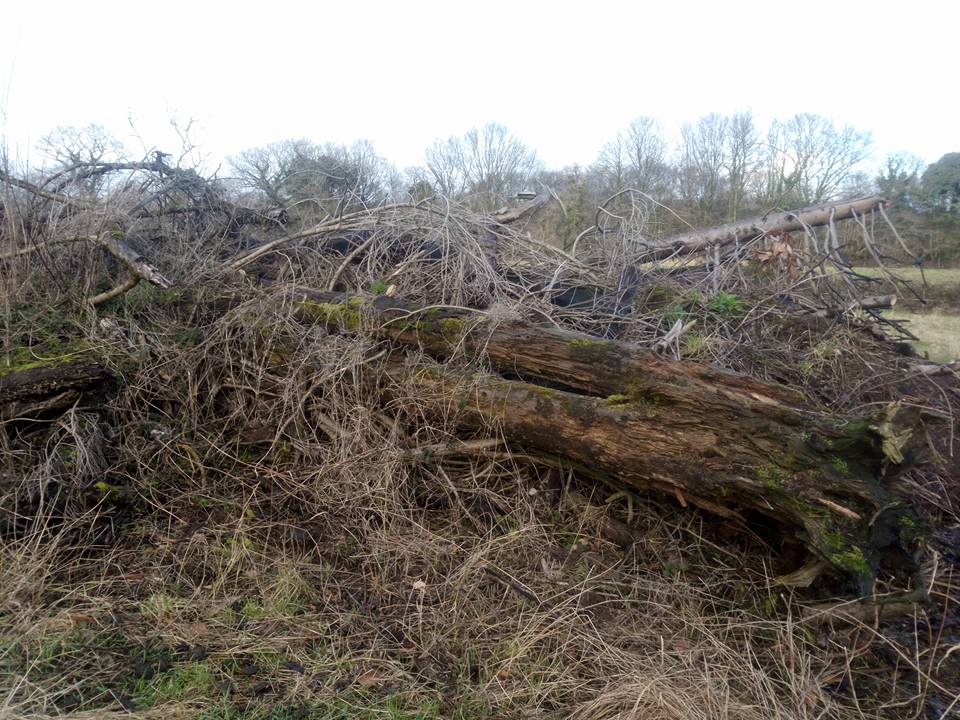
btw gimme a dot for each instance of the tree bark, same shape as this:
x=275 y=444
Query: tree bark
x=723 y=441
x=48 y=385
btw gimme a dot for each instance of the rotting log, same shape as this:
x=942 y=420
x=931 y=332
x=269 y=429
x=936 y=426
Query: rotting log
x=45 y=385
x=771 y=223
x=728 y=443
x=723 y=441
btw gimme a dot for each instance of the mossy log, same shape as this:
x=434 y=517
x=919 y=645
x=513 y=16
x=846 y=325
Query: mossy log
x=723 y=441
x=41 y=385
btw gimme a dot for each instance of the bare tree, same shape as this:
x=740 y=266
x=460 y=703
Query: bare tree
x=702 y=167
x=264 y=169
x=636 y=157
x=810 y=159
x=741 y=150
x=498 y=163
x=445 y=167
x=327 y=177
x=488 y=163
x=68 y=146
x=612 y=164
x=646 y=150
x=773 y=183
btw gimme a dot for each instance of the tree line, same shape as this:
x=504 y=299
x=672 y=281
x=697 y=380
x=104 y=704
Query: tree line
x=723 y=167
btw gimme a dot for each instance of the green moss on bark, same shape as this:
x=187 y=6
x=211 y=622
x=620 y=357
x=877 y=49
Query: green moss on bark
x=346 y=316
x=49 y=354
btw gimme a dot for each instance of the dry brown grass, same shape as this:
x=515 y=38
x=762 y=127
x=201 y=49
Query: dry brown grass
x=266 y=521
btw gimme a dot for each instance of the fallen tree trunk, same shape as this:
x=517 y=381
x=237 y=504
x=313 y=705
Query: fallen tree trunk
x=872 y=302
x=772 y=223
x=723 y=441
x=45 y=385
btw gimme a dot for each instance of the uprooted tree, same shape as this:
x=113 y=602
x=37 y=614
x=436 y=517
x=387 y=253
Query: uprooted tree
x=597 y=362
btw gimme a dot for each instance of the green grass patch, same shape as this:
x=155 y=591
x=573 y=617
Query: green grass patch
x=934 y=276
x=727 y=305
x=182 y=682
x=942 y=288
x=939 y=333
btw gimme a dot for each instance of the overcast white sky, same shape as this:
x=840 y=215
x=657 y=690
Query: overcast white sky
x=564 y=76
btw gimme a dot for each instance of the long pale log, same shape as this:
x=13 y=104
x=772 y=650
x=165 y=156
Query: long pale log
x=723 y=441
x=750 y=228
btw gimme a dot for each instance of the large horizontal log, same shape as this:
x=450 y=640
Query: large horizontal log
x=726 y=442
x=750 y=228
x=723 y=441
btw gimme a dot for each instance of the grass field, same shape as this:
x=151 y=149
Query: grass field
x=939 y=333
x=934 y=276
x=938 y=329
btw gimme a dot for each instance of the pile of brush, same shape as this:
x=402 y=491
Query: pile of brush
x=411 y=459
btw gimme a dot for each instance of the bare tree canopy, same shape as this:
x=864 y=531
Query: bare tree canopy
x=489 y=164
x=301 y=174
x=636 y=157
x=810 y=159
